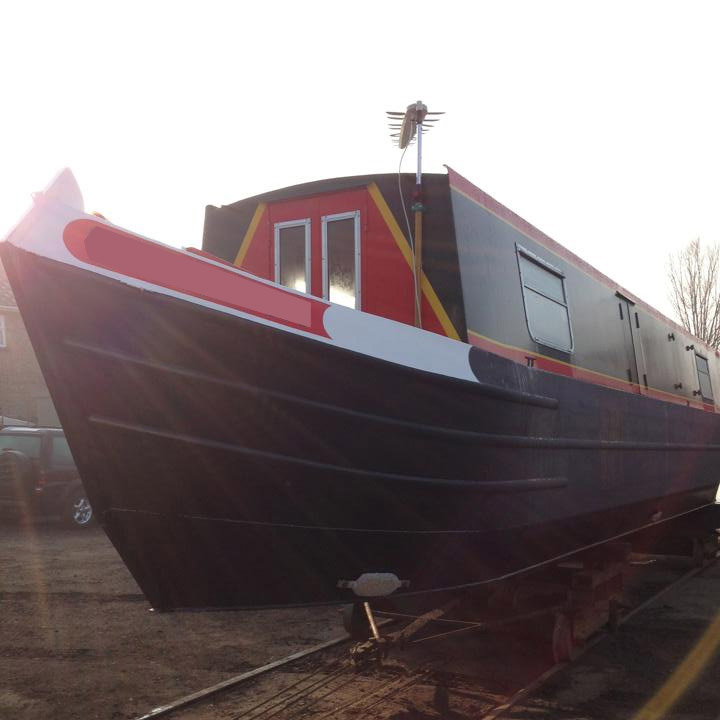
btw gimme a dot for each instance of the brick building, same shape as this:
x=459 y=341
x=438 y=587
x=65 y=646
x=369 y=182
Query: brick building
x=23 y=393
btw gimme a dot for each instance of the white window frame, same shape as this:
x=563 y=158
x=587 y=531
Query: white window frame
x=3 y=333
x=308 y=249
x=352 y=215
x=548 y=267
x=704 y=397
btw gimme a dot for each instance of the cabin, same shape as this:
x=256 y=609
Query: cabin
x=489 y=278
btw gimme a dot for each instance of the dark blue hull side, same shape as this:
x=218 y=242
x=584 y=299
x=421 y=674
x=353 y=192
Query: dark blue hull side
x=236 y=465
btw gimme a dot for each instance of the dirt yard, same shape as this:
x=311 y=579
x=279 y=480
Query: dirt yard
x=77 y=638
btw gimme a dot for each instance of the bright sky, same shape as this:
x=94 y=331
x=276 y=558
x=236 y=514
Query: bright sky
x=599 y=122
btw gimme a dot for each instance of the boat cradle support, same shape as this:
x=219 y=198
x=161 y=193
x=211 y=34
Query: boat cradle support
x=556 y=609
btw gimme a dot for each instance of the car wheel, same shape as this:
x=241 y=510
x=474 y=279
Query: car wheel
x=78 y=511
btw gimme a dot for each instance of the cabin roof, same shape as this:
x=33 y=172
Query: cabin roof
x=461 y=184
x=464 y=186
x=323 y=186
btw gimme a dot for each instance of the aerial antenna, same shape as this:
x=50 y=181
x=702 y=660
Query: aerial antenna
x=409 y=126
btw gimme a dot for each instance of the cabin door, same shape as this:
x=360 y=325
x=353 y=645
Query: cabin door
x=630 y=319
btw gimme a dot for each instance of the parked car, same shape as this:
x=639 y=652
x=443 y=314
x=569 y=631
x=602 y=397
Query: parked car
x=38 y=475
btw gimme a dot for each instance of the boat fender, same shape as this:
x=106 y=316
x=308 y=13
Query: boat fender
x=374 y=584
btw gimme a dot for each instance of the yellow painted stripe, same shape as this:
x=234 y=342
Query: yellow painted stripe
x=404 y=247
x=684 y=675
x=693 y=403
x=391 y=222
x=247 y=240
x=438 y=308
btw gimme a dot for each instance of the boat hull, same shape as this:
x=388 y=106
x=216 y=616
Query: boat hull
x=237 y=464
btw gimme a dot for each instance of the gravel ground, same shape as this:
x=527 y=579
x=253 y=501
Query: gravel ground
x=77 y=638
x=663 y=665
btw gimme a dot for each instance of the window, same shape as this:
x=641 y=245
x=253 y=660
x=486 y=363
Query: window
x=341 y=258
x=61 y=455
x=28 y=444
x=546 y=306
x=292 y=254
x=703 y=370
x=3 y=338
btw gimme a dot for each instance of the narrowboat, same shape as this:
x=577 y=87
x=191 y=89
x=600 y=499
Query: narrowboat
x=304 y=411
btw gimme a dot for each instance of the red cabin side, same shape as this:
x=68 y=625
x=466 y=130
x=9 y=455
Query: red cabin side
x=255 y=235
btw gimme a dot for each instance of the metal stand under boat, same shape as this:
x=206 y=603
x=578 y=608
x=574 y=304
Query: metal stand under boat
x=553 y=609
x=376 y=647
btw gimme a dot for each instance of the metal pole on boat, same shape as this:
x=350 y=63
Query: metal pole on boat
x=418 y=210
x=410 y=125
x=418 y=173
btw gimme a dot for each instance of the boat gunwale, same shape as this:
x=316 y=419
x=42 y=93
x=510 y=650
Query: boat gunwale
x=490 y=486
x=484 y=439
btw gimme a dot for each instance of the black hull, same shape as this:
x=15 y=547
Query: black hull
x=236 y=465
